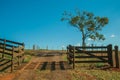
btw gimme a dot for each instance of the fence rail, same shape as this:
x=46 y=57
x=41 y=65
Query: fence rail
x=101 y=53
x=10 y=53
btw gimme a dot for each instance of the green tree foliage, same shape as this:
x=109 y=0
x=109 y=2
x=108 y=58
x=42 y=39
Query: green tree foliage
x=88 y=24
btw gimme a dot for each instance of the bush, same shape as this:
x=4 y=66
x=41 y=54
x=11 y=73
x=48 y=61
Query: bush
x=27 y=58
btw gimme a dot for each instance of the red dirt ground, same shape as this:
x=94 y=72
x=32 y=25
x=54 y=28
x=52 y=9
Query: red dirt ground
x=45 y=67
x=49 y=67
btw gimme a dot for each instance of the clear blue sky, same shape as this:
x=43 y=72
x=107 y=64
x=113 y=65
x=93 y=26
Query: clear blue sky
x=38 y=21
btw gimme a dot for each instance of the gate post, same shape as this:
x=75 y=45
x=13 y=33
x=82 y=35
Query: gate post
x=117 y=57
x=73 y=57
x=68 y=53
x=110 y=59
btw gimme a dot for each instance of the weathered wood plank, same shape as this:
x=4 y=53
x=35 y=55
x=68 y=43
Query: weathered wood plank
x=90 y=61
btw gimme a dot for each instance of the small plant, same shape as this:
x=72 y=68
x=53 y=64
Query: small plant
x=98 y=65
x=27 y=58
x=64 y=57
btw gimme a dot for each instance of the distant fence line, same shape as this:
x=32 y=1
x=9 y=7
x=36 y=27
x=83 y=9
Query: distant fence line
x=93 y=52
x=11 y=53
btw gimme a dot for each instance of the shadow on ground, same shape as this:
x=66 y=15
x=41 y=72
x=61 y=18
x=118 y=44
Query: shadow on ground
x=53 y=66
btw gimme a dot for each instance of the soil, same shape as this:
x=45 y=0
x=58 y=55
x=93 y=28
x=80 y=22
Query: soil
x=45 y=66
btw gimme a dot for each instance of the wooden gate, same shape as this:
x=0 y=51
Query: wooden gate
x=94 y=54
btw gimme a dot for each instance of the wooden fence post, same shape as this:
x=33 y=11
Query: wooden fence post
x=23 y=56
x=19 y=55
x=4 y=45
x=117 y=57
x=110 y=59
x=73 y=57
x=12 y=61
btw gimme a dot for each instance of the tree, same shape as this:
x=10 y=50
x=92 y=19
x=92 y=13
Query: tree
x=88 y=24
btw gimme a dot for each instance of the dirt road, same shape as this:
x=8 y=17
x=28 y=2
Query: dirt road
x=44 y=66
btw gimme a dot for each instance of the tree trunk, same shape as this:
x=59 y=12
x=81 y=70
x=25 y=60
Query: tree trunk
x=83 y=42
x=83 y=39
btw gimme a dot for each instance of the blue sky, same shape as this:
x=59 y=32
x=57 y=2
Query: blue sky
x=38 y=21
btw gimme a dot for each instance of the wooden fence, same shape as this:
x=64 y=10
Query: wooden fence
x=104 y=54
x=11 y=53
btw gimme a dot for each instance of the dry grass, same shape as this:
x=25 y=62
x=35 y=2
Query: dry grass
x=82 y=71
